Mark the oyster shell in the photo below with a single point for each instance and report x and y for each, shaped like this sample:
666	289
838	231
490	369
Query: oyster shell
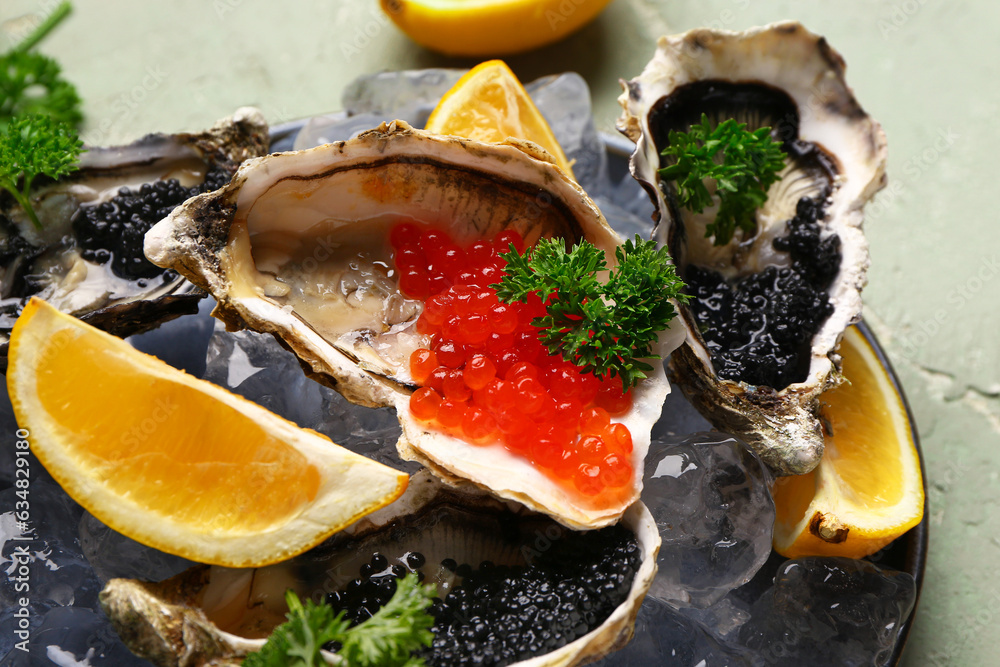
296	245
785	77
177	621
53	263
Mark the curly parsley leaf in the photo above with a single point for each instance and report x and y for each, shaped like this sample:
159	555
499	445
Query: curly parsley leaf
399	628
606	329
387	639
31	83
297	642
33	145
748	165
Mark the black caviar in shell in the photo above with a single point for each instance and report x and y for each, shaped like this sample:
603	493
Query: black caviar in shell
113	231
759	329
496	615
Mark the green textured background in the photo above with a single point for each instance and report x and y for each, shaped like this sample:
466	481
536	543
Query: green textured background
926	69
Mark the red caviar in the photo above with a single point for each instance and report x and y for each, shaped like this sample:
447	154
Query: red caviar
487	378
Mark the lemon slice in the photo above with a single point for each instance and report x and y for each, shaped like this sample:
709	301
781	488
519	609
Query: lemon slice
174	462
490	27
489	104
867	489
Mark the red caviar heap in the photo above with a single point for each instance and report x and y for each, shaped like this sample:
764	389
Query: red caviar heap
487	379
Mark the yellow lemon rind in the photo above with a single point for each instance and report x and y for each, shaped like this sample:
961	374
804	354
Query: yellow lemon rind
478	28
337	505
833	524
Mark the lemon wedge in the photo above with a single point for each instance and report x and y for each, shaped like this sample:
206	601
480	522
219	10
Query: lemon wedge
174	462
490	27
489	104
868	488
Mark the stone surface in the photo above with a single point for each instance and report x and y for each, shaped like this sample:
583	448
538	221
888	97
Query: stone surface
709	496
924	69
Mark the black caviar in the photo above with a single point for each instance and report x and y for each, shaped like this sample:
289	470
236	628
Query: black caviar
759	330
374	587
498	615
113	231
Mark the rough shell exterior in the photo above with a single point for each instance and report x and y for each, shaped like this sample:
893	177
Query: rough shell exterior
163	622
128	307
782	426
343	189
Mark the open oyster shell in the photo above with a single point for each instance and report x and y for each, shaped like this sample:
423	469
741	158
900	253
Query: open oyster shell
785	77
176	622
297	246
50	263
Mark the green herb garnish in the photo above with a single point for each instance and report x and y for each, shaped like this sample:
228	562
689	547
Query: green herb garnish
54	18
749	164
33	145
33	83
387	639
606	329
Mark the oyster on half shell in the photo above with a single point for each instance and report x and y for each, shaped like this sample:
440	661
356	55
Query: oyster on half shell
213	616
115	290
791	80
297	246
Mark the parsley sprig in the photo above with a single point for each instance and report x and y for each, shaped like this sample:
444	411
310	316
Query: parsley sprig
31	146
605	328
748	165
55	17
39	111
33	83
387	639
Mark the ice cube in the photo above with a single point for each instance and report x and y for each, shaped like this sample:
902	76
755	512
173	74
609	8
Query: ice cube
70	636
52	515
709	496
256	367
372	99
334	127
14	617
180	342
722	620
564	101
627	224
259	369
45	553
112	555
829	611
410	95
8	428
663	636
